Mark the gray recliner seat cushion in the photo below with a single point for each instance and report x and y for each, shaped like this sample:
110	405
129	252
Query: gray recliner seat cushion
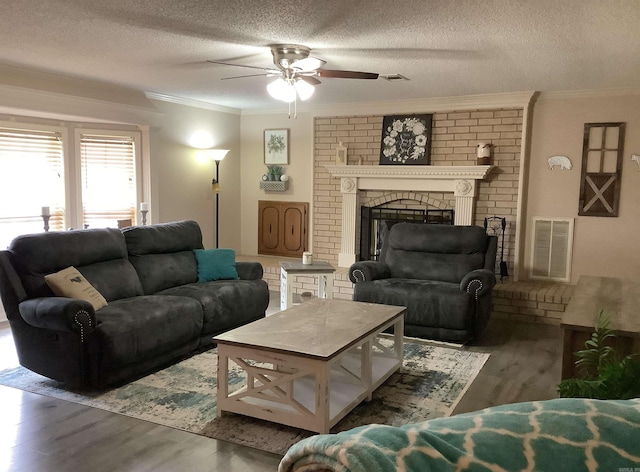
226	303
134	329
429	303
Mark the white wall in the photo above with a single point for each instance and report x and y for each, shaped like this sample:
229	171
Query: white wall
299	170
603	246
181	179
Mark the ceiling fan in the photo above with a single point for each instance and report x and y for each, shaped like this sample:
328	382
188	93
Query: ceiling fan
297	73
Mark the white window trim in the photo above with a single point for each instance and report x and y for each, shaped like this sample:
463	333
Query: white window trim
66	158
137	138
72	164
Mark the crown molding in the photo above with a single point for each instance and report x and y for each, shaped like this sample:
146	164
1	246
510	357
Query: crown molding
192	103
20	100
437	104
593	93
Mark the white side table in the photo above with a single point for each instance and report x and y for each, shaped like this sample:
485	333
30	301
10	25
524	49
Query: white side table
323	270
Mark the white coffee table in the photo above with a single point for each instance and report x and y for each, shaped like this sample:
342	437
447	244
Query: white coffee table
310	365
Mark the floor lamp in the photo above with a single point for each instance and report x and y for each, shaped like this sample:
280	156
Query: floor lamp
217	155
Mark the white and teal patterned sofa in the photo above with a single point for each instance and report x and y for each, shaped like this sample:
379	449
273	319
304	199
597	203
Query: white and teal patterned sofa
555	435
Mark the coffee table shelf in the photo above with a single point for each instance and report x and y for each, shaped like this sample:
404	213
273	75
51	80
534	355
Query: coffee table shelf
304	389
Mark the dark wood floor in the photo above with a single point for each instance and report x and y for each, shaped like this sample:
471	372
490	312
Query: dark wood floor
40	433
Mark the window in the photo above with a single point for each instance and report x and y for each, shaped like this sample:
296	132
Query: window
552	247
108	172
31	177
85	176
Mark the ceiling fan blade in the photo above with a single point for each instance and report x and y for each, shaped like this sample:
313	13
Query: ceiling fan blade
243	76
265	69
346	74
310	80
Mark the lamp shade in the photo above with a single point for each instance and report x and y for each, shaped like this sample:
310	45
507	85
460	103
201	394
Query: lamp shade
218	154
304	89
282	90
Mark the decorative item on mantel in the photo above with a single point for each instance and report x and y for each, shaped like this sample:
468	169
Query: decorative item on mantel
636	158
483	152
341	154
406	140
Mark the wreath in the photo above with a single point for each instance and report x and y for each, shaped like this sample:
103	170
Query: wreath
405	139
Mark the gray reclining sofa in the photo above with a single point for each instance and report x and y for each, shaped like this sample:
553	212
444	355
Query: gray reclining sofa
157	312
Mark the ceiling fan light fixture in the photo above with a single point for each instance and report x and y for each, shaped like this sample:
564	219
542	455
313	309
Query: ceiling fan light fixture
280	89
308	64
304	89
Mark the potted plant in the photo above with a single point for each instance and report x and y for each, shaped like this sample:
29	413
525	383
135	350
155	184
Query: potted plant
274	172
605	374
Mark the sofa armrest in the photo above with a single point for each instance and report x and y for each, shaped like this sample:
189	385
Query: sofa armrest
59	314
249	270
479	281
366	271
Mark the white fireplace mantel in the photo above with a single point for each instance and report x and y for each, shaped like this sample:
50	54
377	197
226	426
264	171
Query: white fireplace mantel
459	180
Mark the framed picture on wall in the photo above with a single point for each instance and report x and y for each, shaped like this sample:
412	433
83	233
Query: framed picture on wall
406	140
276	146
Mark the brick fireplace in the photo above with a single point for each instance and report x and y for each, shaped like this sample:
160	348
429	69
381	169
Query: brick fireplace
459	180
486	191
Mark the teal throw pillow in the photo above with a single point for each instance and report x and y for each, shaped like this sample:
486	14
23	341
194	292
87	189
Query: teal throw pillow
216	264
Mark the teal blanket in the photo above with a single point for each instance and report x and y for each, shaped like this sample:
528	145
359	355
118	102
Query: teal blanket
554	435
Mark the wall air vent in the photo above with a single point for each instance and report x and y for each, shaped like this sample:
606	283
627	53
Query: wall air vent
552	248
393	77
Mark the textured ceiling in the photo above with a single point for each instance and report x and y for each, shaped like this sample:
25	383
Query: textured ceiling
445	48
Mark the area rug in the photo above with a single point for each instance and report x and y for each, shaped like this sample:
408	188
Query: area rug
183	396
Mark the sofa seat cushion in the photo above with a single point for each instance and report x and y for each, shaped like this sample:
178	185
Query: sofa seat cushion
226	304
429	303
134	329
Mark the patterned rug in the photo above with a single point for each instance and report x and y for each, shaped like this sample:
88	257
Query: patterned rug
183	396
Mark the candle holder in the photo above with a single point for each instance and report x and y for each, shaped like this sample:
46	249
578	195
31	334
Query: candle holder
144	216
45	218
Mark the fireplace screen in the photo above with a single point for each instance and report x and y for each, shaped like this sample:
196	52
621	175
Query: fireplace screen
376	222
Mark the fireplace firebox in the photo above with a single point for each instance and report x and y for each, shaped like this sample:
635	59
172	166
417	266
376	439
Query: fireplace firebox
375	223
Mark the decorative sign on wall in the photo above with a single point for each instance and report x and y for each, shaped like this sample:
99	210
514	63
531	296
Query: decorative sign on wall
559	161
602	151
406	140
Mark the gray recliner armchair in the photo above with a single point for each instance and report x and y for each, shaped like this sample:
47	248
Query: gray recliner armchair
442	274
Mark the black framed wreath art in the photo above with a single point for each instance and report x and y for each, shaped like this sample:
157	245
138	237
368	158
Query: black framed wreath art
406	140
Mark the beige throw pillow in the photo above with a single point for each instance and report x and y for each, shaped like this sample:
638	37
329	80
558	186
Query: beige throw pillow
71	283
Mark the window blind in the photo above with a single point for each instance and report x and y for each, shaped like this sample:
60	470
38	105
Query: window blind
31	177
108	179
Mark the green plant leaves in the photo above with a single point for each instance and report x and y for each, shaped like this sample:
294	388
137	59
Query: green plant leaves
604	375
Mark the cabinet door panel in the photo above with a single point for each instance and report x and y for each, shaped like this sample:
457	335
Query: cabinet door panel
282	228
269	227
293	230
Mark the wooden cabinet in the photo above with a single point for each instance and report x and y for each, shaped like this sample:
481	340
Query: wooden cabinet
282	228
